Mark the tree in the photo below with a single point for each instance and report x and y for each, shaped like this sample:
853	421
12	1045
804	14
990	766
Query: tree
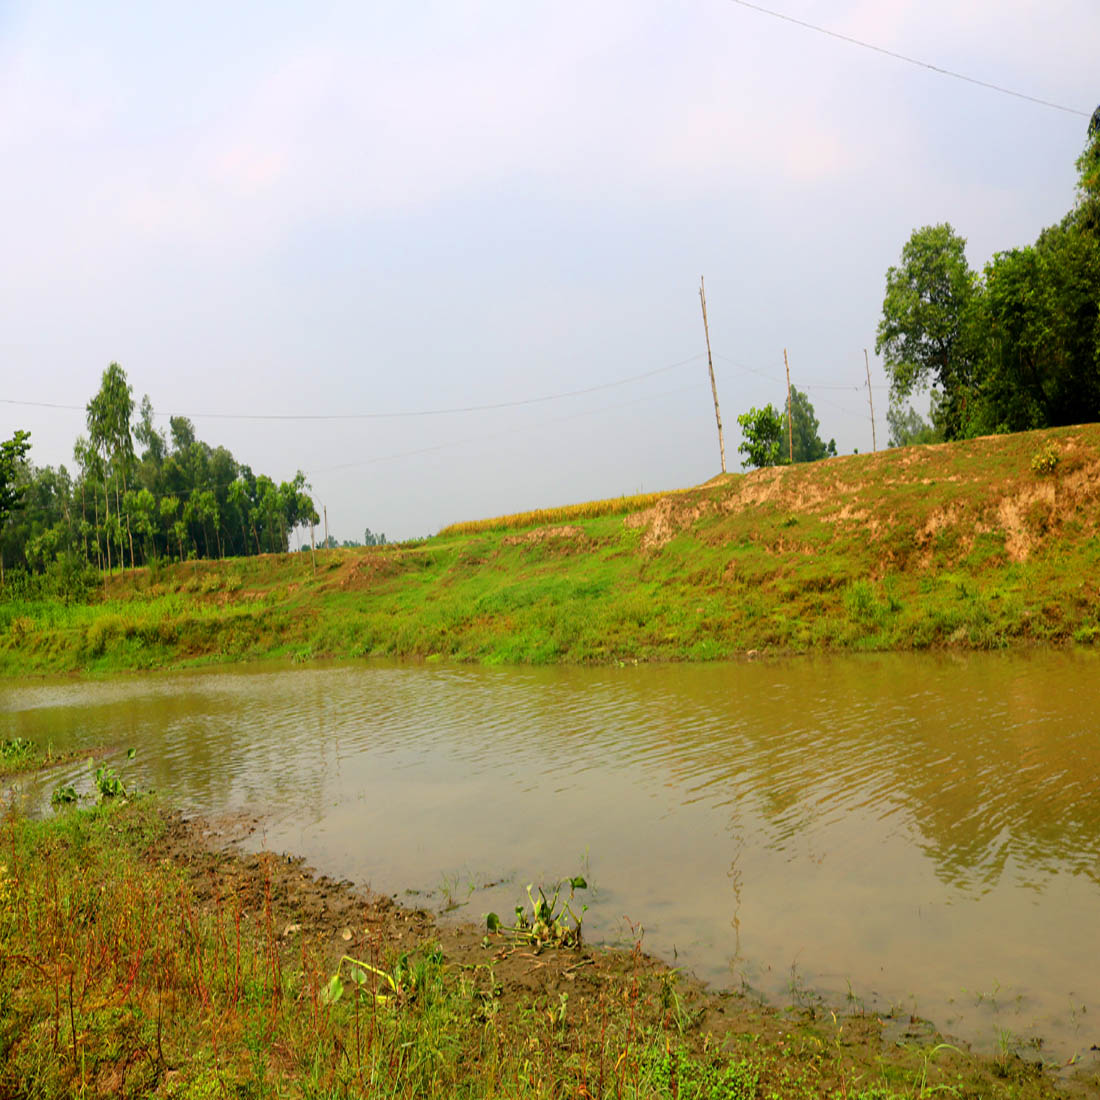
908	427
109	414
762	429
12	452
808	446
1040	313
183	432
146	434
1088	178
925	335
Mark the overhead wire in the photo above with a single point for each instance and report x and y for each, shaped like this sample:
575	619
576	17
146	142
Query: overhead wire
852	40
542	399
497	435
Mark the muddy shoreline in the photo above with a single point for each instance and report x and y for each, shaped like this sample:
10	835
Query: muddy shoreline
518	983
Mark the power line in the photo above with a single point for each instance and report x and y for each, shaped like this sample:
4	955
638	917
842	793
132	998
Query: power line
527	429
908	60
395	415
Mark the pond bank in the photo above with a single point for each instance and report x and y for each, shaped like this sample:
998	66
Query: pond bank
145	955
969	545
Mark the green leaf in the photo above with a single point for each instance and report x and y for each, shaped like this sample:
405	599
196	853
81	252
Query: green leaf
333	991
131	753
577	882
492	923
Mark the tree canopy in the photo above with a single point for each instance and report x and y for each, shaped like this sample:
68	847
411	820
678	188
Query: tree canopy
1012	348
761	429
807	444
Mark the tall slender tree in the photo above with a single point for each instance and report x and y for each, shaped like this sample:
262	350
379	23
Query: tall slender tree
109	414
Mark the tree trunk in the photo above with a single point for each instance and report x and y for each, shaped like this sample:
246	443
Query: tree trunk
83	519
128	534
107	523
98	552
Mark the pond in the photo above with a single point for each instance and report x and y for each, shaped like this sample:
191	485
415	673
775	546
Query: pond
909	832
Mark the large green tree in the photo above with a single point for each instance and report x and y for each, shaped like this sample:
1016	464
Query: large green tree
926	333
1040	319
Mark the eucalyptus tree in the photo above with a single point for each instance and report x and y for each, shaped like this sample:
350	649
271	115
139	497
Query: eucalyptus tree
108	418
86	458
146	434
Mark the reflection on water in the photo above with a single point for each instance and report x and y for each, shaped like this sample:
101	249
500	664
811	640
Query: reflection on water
922	830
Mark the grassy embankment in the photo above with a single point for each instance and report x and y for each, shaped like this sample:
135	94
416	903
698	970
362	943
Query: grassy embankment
135	961
981	544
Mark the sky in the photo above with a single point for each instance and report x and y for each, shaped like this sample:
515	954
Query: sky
320	231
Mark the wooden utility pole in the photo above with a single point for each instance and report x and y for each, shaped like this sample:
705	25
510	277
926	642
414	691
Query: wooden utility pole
867	364
710	367
790	427
312	548
325	507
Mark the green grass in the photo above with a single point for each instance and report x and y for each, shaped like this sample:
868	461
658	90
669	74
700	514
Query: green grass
961	545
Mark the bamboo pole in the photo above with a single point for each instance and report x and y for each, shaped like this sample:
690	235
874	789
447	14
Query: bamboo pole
710	367
867	364
790	426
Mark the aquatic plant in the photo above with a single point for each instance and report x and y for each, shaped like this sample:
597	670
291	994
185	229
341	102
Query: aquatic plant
548	923
63	795
108	783
15	748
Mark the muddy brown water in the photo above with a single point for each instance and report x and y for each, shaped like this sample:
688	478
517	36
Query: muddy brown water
918	833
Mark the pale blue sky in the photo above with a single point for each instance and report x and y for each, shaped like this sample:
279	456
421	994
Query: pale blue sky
361	208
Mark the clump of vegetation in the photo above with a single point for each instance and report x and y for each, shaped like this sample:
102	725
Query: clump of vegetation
15	749
63	795
1045	460
549	923
18	754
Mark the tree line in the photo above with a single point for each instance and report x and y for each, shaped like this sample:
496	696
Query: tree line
138	495
1014	347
